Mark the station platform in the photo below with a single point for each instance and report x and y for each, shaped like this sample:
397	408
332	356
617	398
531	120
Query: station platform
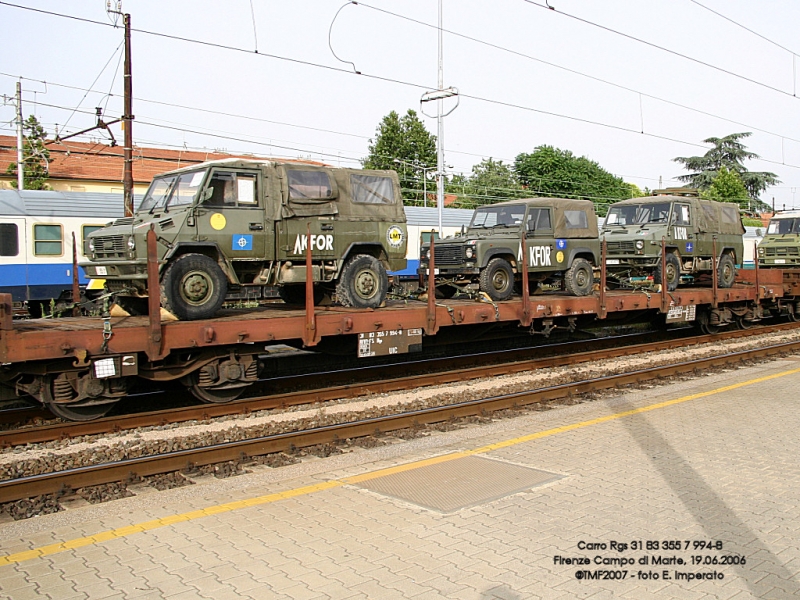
685	490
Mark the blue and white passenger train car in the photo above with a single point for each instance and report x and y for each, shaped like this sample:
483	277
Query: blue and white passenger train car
36	230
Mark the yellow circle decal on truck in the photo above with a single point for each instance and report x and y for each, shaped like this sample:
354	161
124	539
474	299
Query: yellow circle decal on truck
559	256
218	221
395	236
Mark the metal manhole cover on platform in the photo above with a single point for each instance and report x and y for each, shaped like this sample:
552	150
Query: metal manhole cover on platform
455	484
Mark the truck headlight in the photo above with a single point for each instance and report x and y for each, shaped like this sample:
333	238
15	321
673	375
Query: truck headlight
91	245
469	253
639	244
761	252
131	243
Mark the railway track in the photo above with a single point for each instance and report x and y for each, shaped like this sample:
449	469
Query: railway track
26	487
351	383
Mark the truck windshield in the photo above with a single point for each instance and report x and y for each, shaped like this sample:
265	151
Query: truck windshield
172	190
638	214
503	216
778	226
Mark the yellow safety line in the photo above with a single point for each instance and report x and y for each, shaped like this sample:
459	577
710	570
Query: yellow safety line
311	489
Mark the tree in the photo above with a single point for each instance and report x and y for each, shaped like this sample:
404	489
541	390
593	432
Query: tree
491	181
550	171
35	156
727	186
406	146
730	153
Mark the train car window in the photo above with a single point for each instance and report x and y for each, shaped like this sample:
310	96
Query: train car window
48	240
9	239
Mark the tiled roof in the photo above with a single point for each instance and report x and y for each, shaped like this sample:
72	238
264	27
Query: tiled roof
93	161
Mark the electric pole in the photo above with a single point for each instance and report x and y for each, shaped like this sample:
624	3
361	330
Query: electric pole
20	155
127	121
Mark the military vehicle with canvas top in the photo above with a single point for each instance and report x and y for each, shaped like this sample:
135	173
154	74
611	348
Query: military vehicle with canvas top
780	247
634	228
560	235
230	229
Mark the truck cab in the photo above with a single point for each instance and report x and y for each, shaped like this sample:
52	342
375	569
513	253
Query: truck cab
236	229
780	247
561	239
633	230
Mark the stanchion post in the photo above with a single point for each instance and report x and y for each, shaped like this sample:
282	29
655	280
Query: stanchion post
153	297
431	327
664	305
76	287
310	337
714	266
603	252
526	319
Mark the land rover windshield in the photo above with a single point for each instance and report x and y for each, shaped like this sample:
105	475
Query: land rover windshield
498	216
779	226
638	214
171	191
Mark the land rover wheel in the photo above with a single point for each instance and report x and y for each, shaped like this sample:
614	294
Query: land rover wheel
673	272
579	279
193	287
726	271
363	282
497	279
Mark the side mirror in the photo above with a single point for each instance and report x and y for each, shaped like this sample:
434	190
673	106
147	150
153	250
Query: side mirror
759	233
207	193
463	229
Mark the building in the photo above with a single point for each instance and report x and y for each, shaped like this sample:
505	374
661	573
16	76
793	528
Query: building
94	167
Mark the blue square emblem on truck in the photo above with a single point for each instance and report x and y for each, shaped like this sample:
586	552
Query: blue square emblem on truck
242	241
561	244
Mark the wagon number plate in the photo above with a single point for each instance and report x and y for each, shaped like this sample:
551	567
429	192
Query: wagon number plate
678	314
393	341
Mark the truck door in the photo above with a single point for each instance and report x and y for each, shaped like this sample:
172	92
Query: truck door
232	216
541	254
682	230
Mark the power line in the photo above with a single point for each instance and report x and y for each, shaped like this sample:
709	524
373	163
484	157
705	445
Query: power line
662	48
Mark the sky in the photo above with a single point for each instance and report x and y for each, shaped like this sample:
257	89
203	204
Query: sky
627	83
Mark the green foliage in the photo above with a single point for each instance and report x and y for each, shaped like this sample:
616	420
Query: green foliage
491	181
550	171
730	153
727	186
35	156
752	222
404	144
635	191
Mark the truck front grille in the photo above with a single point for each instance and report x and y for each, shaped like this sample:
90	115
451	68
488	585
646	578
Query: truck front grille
449	255
783	251
109	246
620	247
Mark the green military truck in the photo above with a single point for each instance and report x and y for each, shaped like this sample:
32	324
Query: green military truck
235	228
634	228
561	238
780	247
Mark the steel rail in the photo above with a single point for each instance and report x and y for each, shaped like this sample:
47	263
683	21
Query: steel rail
27	487
391	382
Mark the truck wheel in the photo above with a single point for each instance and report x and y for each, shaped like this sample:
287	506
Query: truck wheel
497	279
673	272
363	282
579	279
726	271
193	287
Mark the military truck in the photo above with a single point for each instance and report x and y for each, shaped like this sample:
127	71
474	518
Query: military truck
231	229
633	230
561	239
781	246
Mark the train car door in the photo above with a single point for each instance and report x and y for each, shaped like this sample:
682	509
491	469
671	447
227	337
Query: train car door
14	258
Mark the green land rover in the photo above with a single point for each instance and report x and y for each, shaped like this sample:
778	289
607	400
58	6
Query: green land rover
690	227
232	229
561	238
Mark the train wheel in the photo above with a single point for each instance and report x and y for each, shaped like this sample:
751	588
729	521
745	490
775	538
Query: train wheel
792	312
213	396
497	279
705	326
56	392
743	323
193	287
673	269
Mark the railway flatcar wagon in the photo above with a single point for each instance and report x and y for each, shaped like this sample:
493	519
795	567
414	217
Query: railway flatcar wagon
36	230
